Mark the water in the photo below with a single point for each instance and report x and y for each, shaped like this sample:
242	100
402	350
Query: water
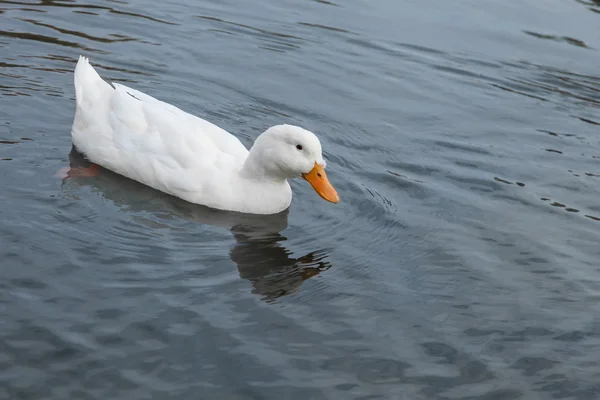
463	260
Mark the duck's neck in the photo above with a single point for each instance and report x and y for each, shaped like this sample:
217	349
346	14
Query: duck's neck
263	188
259	165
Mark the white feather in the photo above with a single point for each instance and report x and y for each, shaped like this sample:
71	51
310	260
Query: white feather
158	144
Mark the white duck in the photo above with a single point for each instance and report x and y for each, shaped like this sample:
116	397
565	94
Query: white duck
159	145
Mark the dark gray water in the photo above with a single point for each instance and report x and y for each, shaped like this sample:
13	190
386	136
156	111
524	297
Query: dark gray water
462	263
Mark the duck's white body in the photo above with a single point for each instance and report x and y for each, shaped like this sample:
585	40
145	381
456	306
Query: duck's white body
159	145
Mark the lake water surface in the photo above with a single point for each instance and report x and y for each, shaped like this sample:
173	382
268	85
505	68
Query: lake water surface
462	263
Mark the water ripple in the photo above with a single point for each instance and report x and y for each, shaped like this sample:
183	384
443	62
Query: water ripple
284	39
76	6
48	39
460	263
114	39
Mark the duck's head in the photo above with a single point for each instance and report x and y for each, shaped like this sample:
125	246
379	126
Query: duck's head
287	151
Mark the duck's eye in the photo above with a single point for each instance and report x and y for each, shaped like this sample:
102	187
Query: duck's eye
299	147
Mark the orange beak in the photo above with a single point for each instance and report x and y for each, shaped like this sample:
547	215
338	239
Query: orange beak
318	180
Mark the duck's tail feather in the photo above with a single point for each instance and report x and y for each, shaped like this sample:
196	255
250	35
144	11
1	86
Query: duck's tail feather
88	84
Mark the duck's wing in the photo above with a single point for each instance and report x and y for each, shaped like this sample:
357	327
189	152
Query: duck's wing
158	111
149	140
169	131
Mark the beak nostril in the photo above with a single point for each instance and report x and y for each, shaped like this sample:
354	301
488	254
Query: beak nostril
317	177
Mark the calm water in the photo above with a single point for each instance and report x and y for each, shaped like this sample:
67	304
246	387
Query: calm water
462	263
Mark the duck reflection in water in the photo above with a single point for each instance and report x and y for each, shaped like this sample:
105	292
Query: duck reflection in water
259	253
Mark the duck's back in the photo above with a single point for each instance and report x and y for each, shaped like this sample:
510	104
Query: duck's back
138	136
